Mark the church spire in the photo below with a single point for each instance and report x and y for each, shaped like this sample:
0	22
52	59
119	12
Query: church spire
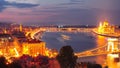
21	27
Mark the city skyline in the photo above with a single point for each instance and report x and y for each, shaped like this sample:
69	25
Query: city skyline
59	11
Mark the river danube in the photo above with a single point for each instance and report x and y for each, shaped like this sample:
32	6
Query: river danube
79	41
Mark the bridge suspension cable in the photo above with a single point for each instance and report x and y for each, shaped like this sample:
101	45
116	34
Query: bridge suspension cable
93	52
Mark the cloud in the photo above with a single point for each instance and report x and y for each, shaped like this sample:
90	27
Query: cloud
72	16
77	0
24	1
2	5
24	14
54	12
79	4
58	4
53	15
41	2
6	4
23	5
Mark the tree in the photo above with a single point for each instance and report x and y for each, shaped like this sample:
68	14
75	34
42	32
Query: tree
66	57
15	64
3	62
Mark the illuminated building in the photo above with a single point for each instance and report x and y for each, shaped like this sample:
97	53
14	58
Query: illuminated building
105	28
16	44
34	47
8	45
12	47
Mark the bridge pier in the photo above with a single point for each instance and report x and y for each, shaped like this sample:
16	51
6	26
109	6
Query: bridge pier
113	55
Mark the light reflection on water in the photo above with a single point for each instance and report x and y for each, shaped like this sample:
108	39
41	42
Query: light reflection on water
101	41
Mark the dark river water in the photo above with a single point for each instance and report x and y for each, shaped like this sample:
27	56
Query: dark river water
78	41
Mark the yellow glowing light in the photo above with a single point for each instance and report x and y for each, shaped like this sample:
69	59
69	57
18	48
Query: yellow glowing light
17	54
114	55
100	28
27	33
1	53
111	44
100	25
105	28
112	39
35	55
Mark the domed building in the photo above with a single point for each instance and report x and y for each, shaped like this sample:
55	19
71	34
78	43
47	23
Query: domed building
105	28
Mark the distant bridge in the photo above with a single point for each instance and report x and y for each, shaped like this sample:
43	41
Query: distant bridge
32	32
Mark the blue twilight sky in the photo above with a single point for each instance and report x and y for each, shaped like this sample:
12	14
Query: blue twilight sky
60	12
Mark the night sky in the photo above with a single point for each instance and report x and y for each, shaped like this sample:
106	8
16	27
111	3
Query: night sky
60	12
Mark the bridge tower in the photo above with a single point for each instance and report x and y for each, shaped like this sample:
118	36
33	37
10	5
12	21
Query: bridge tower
112	44
113	55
